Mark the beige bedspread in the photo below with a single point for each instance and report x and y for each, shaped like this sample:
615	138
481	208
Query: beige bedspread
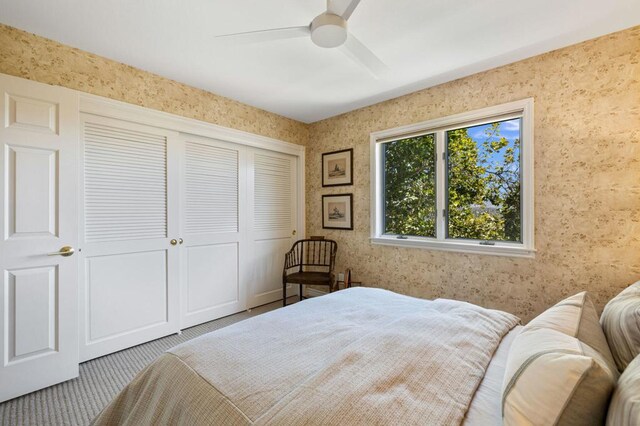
358	356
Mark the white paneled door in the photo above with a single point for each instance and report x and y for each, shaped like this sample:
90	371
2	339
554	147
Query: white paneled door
130	258
39	217
272	222
213	232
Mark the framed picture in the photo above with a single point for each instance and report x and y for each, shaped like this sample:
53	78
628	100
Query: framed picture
337	168
337	211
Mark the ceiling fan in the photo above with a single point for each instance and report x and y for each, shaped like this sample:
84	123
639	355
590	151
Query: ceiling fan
328	30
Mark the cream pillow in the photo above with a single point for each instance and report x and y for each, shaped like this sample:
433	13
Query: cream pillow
576	316
621	324
552	378
624	409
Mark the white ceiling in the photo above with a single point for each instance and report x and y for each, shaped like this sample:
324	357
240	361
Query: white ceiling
424	42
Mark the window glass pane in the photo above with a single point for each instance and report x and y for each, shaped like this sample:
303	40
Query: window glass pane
410	186
483	178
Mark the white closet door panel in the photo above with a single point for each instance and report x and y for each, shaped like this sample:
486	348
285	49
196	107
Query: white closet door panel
273	188
213	276
127	292
211	189
130	207
272	222
213	251
125	183
267	268
38	216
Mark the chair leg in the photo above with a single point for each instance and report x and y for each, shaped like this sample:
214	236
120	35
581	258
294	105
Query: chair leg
284	294
301	291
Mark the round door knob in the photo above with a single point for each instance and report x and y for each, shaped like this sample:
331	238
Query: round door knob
173	242
294	232
180	240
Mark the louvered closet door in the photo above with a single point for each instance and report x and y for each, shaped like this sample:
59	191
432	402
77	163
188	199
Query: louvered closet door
272	222
213	206
130	269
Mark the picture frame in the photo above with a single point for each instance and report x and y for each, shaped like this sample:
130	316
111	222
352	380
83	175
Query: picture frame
337	168
337	211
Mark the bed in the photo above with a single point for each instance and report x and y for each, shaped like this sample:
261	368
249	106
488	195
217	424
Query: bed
373	357
362	355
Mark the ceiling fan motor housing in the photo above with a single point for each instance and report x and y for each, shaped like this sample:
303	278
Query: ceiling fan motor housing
328	30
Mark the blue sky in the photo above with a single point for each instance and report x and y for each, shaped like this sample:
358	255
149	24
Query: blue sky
509	129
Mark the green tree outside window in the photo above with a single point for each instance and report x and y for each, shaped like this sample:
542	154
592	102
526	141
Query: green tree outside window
483	198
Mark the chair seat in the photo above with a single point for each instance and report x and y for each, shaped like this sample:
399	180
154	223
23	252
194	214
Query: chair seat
311	278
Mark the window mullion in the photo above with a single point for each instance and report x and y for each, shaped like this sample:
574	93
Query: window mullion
378	196
440	185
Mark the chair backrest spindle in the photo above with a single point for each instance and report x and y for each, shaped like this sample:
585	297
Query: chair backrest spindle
312	253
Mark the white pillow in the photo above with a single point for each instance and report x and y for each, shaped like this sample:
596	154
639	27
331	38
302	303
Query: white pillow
576	316
554	379
560	370
624	409
621	324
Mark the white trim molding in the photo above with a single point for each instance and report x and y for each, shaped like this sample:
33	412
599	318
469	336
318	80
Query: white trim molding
98	105
518	109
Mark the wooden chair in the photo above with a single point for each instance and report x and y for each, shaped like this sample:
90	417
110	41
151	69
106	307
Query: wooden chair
314	262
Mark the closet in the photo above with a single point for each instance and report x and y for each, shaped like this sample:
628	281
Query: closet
178	230
172	223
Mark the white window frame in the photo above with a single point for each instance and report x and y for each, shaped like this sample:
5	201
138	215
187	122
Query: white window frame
522	108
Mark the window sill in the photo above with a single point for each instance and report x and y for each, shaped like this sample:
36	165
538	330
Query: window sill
498	249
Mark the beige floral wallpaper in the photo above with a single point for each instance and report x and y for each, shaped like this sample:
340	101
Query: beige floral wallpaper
587	181
29	56
587	163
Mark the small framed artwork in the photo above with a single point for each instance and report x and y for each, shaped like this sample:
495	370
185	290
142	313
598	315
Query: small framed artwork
337	211
337	168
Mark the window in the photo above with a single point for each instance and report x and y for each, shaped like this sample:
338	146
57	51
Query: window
410	186
461	183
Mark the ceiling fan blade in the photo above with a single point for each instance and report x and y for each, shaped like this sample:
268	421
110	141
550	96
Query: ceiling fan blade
342	8
359	53
349	10
259	36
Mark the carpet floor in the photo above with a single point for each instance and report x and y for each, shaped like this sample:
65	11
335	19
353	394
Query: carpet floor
78	401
